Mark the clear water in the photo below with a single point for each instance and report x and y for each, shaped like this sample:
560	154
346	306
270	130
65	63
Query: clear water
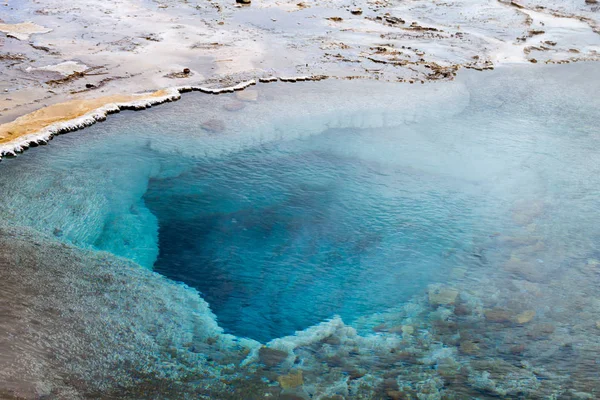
363	200
283	236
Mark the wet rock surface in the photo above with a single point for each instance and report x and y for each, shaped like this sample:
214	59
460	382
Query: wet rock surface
87	324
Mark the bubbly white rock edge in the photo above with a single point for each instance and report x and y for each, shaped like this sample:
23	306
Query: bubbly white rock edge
45	134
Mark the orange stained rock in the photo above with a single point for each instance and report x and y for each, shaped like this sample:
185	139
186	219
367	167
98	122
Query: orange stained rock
63	112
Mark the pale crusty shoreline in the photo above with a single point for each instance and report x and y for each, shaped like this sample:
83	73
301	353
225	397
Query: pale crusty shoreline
59	74
38	127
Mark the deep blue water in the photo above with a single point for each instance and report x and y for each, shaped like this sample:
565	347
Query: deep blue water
281	237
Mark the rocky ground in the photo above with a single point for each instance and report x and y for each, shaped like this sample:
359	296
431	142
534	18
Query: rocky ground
504	337
54	51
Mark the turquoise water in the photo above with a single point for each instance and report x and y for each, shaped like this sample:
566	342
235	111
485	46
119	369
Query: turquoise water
284	236
451	227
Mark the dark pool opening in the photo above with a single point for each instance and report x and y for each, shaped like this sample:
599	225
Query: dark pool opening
281	237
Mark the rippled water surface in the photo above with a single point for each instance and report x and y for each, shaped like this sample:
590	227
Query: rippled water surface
452	227
283	236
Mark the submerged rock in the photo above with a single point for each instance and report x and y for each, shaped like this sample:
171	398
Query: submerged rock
115	329
291	380
247	95
503	379
408	329
469	347
234	106
213	125
271	357
541	331
442	295
518	349
529	270
525	212
525	317
396	395
498	315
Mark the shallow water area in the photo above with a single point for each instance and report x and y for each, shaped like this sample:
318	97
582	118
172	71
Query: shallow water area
435	239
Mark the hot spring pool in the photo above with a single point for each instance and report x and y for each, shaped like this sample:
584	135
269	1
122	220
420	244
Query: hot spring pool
283	236
461	214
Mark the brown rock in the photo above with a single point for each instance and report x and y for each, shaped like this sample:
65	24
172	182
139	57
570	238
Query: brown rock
354	373
335	361
393	20
461	309
271	357
396	395
498	315
332	340
185	73
525	317
591	1
212	340
356	11
405	356
469	347
243	1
